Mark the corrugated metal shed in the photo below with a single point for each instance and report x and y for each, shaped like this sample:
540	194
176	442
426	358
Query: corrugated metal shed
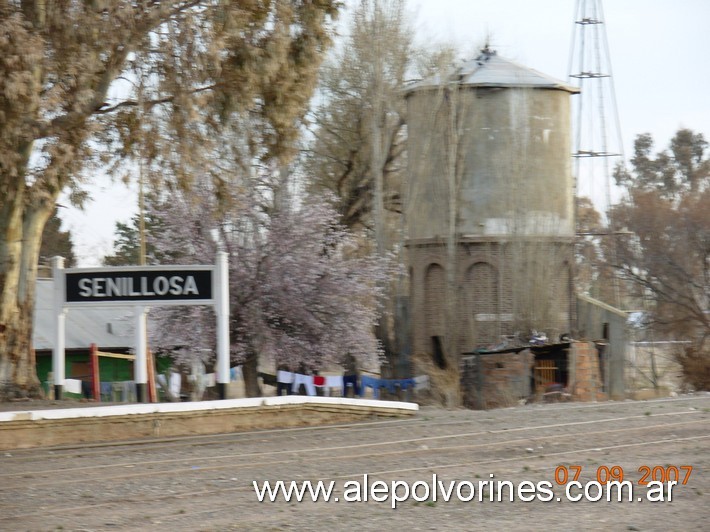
491	70
108	328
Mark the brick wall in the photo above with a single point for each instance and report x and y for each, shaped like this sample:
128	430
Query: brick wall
507	377
504	381
499	291
585	382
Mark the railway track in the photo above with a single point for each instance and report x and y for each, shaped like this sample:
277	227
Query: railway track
413	446
197	471
174	443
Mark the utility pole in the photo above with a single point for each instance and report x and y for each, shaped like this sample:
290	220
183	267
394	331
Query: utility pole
141	312
141	193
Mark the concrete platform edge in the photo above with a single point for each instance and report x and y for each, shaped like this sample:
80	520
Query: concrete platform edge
43	428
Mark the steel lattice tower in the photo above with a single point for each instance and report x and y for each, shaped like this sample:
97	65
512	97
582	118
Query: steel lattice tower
597	133
597	145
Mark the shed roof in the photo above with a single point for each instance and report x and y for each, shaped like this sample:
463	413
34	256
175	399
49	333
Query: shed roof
108	328
604	306
491	70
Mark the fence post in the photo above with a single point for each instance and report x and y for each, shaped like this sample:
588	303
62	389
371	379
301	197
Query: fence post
95	375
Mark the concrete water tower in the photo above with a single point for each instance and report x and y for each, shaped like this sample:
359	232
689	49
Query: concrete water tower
489	206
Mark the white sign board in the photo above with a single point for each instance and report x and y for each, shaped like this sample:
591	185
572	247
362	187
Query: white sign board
141	288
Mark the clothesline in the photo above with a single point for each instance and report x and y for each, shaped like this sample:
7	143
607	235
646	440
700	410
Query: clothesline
291	382
285	381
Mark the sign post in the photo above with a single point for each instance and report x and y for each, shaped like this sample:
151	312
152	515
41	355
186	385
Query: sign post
141	288
140	368
59	329
221	291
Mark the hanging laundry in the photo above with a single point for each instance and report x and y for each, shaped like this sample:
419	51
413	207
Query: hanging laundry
175	382
285	377
405	384
351	380
267	378
390	385
126	390
106	389
333	382
72	385
371	382
284	380
306	380
421	382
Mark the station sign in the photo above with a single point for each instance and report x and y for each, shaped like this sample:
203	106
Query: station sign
140	285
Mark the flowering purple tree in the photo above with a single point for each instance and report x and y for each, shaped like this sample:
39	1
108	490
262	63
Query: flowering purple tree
298	292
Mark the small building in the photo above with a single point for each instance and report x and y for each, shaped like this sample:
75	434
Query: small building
559	371
607	327
109	328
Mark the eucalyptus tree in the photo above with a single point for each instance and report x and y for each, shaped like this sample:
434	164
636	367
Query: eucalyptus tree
357	149
89	85
665	249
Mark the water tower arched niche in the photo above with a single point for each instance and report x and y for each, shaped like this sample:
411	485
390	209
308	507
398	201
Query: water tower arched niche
434	311
481	309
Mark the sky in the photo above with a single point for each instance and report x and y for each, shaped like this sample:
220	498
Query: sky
660	66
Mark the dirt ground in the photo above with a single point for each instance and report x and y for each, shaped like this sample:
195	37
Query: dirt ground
205	483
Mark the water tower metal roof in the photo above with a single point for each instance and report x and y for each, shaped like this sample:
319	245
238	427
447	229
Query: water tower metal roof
491	70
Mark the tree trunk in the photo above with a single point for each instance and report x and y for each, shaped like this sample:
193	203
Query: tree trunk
250	373
452	347
10	256
20	239
21	223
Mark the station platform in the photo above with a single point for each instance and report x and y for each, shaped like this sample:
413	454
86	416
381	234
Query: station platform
23	429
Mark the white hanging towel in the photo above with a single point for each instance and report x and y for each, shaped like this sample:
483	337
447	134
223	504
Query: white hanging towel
285	377
306	380
334	381
421	382
72	385
175	381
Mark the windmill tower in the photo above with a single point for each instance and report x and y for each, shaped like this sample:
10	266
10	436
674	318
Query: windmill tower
596	144
596	148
